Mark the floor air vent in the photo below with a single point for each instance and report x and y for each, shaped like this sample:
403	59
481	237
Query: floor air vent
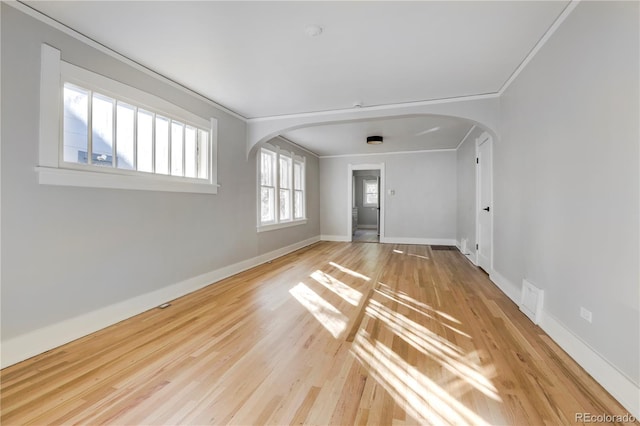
443	248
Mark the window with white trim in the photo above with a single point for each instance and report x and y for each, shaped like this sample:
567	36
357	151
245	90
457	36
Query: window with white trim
298	189
98	132
281	189
370	193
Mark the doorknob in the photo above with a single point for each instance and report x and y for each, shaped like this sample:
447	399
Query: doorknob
486	209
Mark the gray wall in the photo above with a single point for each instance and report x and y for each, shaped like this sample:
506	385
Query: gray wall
424	204
566	175
367	216
69	251
466	190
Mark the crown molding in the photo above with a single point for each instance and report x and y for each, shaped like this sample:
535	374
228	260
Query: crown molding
376	107
289	141
543	40
108	51
466	136
371	154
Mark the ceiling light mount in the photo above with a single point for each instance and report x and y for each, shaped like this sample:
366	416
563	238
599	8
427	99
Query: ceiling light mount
313	30
374	140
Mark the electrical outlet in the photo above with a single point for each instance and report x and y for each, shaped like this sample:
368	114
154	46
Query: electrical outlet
586	314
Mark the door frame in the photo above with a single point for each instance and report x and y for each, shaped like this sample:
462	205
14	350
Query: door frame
367	166
482	139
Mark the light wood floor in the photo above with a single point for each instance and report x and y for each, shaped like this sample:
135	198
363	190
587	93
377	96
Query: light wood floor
337	333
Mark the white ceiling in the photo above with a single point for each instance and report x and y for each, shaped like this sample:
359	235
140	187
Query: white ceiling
400	134
256	59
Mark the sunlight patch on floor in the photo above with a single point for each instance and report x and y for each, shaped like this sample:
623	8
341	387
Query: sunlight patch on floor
408	301
418	256
334	321
419	396
350	295
448	355
349	271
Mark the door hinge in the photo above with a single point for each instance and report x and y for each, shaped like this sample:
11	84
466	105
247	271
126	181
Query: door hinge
477	160
476	247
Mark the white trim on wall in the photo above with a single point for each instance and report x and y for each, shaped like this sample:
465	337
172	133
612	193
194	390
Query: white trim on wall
471	256
507	287
383	107
419	241
372	154
339	238
43	339
621	387
104	49
543	40
466	136
302	148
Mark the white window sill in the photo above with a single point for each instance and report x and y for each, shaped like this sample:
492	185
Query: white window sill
265	228
82	178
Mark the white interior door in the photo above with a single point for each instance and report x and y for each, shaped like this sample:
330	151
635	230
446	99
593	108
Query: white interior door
485	203
378	208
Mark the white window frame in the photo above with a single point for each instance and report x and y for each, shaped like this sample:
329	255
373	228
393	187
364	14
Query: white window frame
273	187
277	223
53	170
303	183
287	157
364	193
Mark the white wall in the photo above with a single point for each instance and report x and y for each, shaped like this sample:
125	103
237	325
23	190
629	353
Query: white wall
567	180
466	191
68	251
423	207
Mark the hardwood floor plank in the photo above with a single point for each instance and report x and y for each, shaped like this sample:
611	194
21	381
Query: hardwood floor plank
335	333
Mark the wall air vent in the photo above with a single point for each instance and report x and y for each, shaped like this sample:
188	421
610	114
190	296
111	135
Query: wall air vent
531	301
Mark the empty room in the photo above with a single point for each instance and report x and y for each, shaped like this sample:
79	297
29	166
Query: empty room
320	212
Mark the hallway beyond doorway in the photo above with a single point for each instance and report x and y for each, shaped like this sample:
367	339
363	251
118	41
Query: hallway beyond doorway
366	236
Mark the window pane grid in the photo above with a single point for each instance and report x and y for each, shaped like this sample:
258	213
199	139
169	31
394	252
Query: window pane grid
267	186
370	192
75	123
281	183
102	131
125	136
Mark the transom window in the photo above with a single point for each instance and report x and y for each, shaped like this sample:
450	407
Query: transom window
281	188
99	132
103	131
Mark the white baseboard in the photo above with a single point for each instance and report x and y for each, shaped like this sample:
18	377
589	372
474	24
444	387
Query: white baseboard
420	241
342	238
471	256
43	339
624	390
615	382
511	290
